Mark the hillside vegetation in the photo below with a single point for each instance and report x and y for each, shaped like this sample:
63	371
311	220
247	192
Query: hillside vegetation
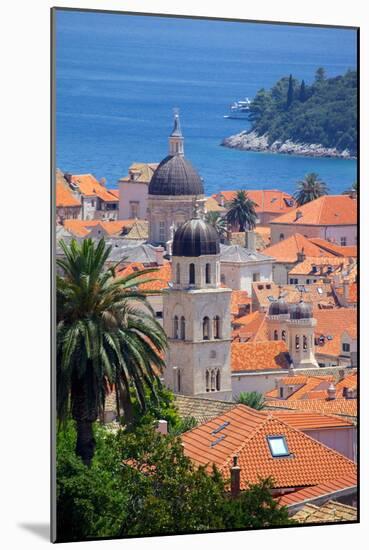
324	112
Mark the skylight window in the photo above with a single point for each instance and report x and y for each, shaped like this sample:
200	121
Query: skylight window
320	290
278	446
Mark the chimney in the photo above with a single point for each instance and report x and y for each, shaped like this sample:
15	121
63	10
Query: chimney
331	392
301	256
68	177
346	288
102	181
159	251
250	240
298	215
235	478
162	427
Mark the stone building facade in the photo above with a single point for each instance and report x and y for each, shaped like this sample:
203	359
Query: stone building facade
196	316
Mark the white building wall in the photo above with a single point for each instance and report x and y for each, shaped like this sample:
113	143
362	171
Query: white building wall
239	276
259	382
342	440
132	192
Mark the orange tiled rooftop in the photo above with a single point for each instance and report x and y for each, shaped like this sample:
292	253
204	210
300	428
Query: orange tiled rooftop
326	210
259	356
244	432
288	249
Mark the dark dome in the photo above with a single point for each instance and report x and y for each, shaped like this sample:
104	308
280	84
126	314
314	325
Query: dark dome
175	176
301	311
279	307
195	238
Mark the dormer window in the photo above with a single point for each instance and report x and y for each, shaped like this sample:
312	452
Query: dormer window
278	446
314	269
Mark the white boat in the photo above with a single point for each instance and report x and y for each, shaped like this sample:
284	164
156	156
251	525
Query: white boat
239	109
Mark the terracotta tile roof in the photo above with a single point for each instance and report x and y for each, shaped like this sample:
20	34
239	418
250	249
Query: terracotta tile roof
312	387
320	295
333	323
267	200
340	406
352	293
139	230
81	228
114	192
337	250
339	266
211	205
244	432
200	408
329	512
88	185
159	278
251	327
326	210
259	356
287	249
65	197
301	386
239	298
311	420
320	490
141	171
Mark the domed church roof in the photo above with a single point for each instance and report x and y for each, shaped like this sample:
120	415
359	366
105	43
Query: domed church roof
279	307
302	310
195	238
175	176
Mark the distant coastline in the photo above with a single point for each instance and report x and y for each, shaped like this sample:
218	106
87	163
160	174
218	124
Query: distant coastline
251	141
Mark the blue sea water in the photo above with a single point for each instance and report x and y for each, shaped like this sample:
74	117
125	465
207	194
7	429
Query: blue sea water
118	78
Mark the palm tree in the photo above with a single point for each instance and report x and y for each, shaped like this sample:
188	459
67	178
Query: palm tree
252	399
242	212
309	189
106	334
218	222
351	190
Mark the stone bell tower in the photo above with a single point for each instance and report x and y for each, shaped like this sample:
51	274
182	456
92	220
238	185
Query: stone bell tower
197	315
301	326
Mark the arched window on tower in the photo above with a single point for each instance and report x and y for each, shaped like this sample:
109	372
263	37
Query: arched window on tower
216	323
297	342
206	328
212	380
183	328
207	274
178	274
283	335
304	342
276	335
217	380
207	380
175	327
192	274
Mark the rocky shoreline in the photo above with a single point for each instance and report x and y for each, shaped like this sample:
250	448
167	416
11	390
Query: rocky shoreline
250	141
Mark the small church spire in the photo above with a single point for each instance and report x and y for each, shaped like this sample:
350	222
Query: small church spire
176	138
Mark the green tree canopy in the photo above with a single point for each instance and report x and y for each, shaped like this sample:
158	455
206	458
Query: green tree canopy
106	334
241	212
309	189
252	399
323	113
141	483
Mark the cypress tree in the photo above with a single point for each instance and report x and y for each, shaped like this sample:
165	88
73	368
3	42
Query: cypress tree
302	95
290	92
